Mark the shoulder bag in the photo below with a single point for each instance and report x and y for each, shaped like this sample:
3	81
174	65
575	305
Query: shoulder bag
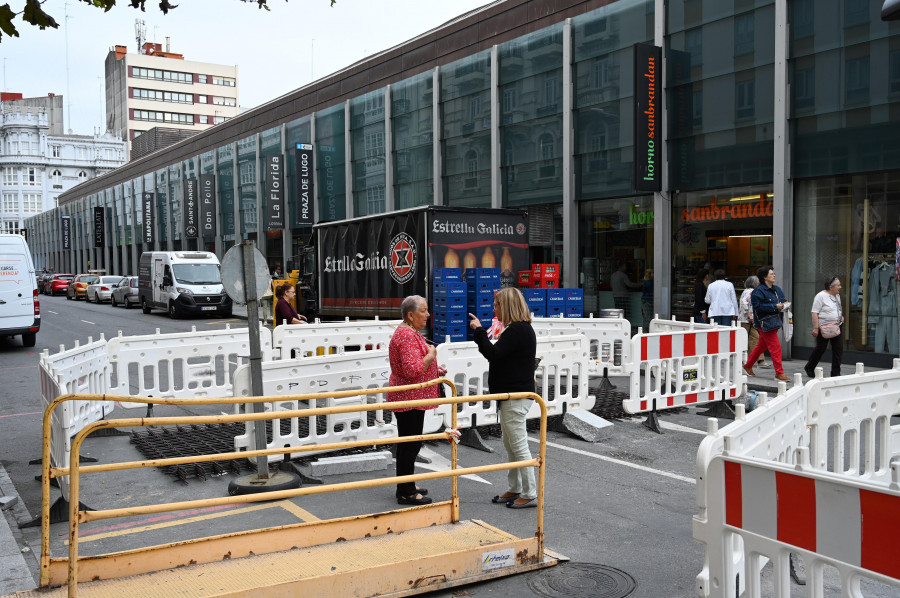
829	329
770	322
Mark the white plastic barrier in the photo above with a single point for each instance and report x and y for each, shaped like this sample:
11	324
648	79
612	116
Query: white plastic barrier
293	341
83	369
660	325
180	365
561	378
609	340
329	373
760	498
686	367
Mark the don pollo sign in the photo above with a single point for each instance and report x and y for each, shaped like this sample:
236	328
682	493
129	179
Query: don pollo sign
647	69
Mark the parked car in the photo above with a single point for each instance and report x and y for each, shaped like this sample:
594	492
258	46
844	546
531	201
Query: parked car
99	290
125	293
78	285
56	283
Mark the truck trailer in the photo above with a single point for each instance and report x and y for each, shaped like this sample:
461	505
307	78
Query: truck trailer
364	267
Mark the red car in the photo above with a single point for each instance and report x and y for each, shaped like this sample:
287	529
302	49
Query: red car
56	284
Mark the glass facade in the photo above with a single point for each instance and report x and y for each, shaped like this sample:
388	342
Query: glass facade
412	126
330	160
368	164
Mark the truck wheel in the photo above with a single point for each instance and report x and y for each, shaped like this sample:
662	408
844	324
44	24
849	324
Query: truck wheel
29	338
173	313
144	307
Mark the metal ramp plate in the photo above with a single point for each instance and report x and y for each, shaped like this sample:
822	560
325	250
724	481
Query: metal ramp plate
396	564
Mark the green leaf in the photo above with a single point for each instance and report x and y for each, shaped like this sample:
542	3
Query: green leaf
6	18
35	15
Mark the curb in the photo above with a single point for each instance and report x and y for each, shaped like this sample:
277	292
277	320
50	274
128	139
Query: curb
18	571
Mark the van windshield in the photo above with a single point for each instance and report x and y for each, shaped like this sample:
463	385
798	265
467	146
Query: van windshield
197	273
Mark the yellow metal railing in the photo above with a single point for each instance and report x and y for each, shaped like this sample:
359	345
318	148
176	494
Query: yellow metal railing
75	470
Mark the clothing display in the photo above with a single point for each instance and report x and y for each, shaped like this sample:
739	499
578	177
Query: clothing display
882	308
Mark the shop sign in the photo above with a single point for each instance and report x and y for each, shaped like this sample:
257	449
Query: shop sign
99	226
714	212
304	156
208	205
274	192
148	208
66	233
190	208
639	217
647	65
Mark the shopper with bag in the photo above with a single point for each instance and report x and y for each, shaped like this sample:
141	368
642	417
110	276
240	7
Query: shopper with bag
827	319
767	302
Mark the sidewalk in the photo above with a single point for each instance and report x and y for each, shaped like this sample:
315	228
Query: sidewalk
16	568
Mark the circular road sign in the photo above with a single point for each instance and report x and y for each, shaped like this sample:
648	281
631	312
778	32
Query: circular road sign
235	280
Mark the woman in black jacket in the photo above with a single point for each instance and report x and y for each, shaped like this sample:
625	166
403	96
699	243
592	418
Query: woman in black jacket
511	369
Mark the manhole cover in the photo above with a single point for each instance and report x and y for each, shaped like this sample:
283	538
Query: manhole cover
587	580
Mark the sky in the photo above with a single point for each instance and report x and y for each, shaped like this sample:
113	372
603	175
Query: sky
276	51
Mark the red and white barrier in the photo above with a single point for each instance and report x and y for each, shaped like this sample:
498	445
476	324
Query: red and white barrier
686	367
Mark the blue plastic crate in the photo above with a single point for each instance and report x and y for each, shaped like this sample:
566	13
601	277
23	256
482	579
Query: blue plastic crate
447	289
484	274
442	304
450	321
538	309
445	274
556	296
574	311
574	295
555	310
536	296
579	303
481	302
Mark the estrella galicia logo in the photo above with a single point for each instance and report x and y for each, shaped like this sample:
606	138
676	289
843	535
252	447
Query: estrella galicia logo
403	258
520	229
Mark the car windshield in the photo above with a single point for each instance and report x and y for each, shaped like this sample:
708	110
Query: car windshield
88	279
197	273
110	279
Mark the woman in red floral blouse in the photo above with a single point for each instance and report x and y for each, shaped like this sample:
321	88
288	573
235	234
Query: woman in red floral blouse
413	360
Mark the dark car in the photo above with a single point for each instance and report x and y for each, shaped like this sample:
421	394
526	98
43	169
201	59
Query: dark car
125	292
55	283
77	287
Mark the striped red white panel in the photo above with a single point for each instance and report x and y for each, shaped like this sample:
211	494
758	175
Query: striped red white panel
666	346
853	525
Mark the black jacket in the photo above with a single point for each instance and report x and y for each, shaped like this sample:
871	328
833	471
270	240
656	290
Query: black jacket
511	358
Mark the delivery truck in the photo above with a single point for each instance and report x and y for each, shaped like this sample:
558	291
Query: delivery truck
364	267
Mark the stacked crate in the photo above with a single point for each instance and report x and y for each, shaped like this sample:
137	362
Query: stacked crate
524	279
481	284
555	303
536	299
448	309
545	276
574	303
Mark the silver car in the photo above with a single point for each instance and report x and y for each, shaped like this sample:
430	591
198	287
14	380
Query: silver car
100	290
125	292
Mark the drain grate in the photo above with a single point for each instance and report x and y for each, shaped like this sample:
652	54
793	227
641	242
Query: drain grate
582	580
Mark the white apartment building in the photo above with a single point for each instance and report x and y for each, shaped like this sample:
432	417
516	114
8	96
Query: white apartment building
157	87
35	167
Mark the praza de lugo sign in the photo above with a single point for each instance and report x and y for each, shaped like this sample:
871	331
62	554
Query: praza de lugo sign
647	110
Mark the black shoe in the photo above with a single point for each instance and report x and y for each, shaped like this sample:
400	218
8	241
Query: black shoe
809	373
416	499
422	491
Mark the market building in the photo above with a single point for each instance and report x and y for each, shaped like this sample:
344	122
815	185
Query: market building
662	137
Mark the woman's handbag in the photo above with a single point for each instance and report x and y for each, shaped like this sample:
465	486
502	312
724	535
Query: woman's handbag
770	322
829	329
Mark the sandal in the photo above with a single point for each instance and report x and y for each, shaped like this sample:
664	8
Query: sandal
532	502
416	499
505	497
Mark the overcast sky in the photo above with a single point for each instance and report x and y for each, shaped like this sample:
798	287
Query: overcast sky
276	51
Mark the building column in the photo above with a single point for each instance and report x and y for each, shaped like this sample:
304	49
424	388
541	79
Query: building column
348	165
569	207
783	216
389	200
496	179
236	195
437	163
662	201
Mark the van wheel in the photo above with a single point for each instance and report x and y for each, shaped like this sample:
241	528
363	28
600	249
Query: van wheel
144	307
173	313
29	338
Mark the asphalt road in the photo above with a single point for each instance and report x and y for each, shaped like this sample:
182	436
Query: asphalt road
625	502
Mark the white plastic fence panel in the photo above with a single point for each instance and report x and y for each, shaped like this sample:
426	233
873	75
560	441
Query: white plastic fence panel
774	509
609	341
686	367
468	369
673	325
181	365
294	341
850	422
329	373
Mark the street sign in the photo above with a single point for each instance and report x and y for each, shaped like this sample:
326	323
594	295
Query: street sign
233	276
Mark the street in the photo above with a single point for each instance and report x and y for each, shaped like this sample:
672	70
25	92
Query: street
625	502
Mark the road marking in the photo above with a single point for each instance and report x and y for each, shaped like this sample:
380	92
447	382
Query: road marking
667	474
88	536
441	463
86	322
53	312
19	414
670	426
297	510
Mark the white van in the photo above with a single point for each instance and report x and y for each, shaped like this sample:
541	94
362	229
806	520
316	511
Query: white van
20	310
182	282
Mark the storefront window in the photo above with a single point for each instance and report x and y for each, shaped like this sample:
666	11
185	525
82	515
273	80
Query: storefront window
729	229
848	226
247	173
616	235
225	189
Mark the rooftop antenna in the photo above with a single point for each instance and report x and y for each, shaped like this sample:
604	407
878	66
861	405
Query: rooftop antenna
140	33
68	95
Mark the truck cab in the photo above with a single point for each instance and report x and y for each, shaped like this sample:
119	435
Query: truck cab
182	282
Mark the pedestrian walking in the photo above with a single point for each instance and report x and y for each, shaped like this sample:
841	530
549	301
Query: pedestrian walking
722	300
745	317
700	283
827	319
767	302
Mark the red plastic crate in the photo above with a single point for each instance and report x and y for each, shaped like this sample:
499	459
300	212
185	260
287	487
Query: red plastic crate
524	279
546	283
544	272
